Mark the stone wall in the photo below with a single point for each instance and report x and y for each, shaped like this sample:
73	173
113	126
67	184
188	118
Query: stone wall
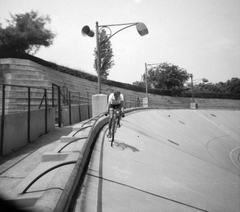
16	128
26	72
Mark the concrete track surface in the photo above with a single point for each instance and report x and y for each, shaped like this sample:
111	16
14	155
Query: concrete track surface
166	160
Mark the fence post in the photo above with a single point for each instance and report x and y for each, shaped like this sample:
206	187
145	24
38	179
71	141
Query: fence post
79	106
29	114
46	107
59	107
69	106
52	95
2	120
88	106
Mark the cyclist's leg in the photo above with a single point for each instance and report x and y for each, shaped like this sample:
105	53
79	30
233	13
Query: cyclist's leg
110	121
119	115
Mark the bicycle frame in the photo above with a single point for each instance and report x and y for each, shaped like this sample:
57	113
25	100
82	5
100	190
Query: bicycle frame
114	114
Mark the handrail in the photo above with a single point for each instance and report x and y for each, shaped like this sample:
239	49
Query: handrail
64	163
92	119
82	128
70	143
78	171
45	172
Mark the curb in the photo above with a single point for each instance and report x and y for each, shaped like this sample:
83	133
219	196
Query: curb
64	201
71	179
77	175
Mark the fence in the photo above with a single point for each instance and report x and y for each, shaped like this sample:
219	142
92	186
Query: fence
8	103
69	106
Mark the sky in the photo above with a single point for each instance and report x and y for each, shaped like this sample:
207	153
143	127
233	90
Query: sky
200	36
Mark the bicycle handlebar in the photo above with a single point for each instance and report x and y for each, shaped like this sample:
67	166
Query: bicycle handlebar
122	114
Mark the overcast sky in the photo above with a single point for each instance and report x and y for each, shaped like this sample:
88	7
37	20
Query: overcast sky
201	36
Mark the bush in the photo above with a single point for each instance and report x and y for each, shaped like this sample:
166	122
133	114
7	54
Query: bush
94	78
82	74
211	95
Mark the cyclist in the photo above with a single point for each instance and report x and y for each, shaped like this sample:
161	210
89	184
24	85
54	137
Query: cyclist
115	101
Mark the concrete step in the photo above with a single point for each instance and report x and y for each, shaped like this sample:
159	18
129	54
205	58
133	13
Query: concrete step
28	70
49	159
71	152
36	190
21	107
33	88
33	82
33	101
25	76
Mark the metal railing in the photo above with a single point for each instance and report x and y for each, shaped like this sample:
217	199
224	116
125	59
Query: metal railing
75	98
6	94
94	120
60	96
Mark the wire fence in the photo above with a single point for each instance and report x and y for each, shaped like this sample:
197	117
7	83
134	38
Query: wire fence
21	98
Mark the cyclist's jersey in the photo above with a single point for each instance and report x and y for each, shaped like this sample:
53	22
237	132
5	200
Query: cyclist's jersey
113	101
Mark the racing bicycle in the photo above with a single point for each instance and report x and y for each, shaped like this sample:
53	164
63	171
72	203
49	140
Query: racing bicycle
114	113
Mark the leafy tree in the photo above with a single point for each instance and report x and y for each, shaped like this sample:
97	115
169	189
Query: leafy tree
106	55
167	77
233	85
139	83
25	33
229	87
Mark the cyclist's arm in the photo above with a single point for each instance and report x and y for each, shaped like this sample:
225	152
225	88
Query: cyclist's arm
122	107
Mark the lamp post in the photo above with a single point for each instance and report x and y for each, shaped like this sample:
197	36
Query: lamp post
192	88
99	100
146	72
146	81
193	103
141	28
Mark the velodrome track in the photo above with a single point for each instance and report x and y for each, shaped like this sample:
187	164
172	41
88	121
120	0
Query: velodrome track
166	160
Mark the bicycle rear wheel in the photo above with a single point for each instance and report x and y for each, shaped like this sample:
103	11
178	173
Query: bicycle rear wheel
113	130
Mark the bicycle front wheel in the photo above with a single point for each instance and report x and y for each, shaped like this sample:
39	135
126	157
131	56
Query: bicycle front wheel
113	129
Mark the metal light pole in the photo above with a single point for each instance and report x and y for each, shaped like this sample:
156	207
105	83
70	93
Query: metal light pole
194	104
146	73
192	88
98	59
141	28
146	80
145	100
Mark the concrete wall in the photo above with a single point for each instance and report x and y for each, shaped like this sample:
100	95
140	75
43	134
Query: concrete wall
78	113
16	128
26	72
37	122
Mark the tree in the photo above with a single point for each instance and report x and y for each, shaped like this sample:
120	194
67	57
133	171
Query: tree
229	87
167	77
25	33
139	83
233	85
106	55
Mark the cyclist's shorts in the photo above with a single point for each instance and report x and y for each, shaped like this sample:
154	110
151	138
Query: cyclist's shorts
116	106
